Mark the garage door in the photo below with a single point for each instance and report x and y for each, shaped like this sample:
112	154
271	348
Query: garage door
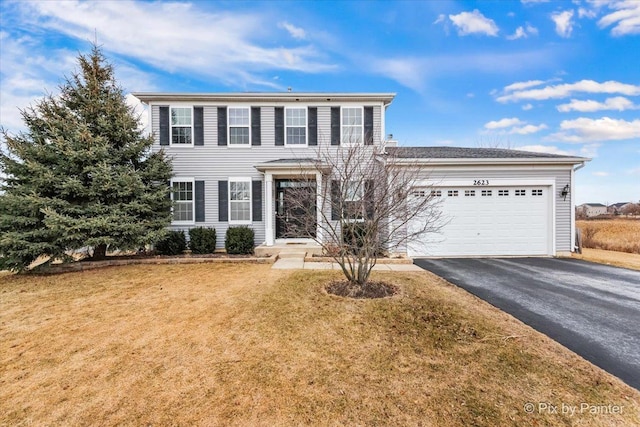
488	222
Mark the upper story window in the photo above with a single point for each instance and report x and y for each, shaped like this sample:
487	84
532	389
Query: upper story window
183	200
239	121
181	125
352	127
296	126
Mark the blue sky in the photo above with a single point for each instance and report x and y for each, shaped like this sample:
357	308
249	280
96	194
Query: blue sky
555	76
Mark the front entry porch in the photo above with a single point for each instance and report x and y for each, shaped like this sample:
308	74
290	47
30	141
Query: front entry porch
293	189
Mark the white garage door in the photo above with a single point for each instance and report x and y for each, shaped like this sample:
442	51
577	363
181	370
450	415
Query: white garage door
489	221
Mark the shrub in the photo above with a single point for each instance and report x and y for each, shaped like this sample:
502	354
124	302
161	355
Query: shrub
239	240
174	243
202	240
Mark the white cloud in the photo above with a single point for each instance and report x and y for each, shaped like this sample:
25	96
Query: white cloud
564	26
586	13
625	19
523	85
503	123
179	37
534	1
527	129
519	34
567	89
604	129
531	29
618	103
409	72
589	150
28	73
295	32
600	173
140	110
523	32
474	23
527	107
513	125
441	18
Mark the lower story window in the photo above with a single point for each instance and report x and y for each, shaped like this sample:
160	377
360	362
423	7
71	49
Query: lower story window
240	201
182	195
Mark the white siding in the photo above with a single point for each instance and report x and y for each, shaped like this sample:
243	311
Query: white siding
561	175
212	163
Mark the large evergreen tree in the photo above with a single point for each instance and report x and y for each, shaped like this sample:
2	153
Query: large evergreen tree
81	175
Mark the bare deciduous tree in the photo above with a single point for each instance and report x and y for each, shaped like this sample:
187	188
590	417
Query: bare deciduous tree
370	204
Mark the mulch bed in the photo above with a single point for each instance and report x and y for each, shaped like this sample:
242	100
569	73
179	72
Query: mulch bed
369	290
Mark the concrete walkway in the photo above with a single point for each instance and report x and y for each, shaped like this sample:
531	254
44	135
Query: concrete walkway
298	263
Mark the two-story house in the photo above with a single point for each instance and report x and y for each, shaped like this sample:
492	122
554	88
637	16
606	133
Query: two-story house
235	155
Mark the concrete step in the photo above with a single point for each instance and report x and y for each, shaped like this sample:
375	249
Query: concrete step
291	254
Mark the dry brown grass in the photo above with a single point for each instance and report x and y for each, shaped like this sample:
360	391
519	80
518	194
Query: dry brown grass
619	259
247	345
622	235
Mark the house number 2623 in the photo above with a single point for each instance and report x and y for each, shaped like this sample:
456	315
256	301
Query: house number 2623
480	182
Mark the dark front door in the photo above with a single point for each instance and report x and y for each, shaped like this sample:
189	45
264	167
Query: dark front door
295	208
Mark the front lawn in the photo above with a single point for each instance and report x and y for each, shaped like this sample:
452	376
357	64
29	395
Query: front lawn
220	344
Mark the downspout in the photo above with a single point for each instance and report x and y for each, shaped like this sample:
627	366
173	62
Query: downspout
573	207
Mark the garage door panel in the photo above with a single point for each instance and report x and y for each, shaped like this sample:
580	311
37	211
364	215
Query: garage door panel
501	222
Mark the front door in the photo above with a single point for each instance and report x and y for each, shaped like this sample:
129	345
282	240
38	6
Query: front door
295	208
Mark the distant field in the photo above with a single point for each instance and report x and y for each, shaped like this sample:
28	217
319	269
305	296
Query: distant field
622	235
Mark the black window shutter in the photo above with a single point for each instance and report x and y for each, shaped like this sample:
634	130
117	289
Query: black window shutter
335	125
256	200
369	198
199	193
223	201
335	200
222	125
255	126
164	125
313	125
198	126
368	125
279	121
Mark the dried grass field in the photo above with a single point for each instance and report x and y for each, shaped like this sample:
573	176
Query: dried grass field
622	235
225	345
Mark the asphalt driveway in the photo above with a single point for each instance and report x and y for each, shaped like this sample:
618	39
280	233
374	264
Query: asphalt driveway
592	309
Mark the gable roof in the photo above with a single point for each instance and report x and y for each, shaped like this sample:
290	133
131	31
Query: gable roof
594	205
619	204
478	155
